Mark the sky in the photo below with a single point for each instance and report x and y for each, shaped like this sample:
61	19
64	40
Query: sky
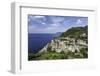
54	24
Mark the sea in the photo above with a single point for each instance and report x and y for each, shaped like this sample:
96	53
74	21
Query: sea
36	41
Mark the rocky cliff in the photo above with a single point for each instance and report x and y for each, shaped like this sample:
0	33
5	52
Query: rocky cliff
72	40
71	44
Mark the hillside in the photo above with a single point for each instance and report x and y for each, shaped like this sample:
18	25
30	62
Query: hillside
70	44
75	32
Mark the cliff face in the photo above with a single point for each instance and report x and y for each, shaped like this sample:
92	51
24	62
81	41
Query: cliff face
69	45
72	40
65	44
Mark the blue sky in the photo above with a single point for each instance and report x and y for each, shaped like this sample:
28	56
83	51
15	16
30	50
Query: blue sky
54	24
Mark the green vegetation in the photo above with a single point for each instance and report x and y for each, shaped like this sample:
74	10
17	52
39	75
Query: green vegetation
50	55
75	33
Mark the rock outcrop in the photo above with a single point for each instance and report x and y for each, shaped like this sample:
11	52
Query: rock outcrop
65	44
72	40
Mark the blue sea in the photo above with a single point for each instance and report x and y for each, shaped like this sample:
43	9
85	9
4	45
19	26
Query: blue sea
37	41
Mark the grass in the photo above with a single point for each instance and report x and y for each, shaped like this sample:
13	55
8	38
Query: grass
53	55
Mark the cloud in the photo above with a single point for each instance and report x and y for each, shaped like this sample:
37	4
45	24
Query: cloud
50	28
43	23
36	20
57	19
78	21
38	16
55	25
